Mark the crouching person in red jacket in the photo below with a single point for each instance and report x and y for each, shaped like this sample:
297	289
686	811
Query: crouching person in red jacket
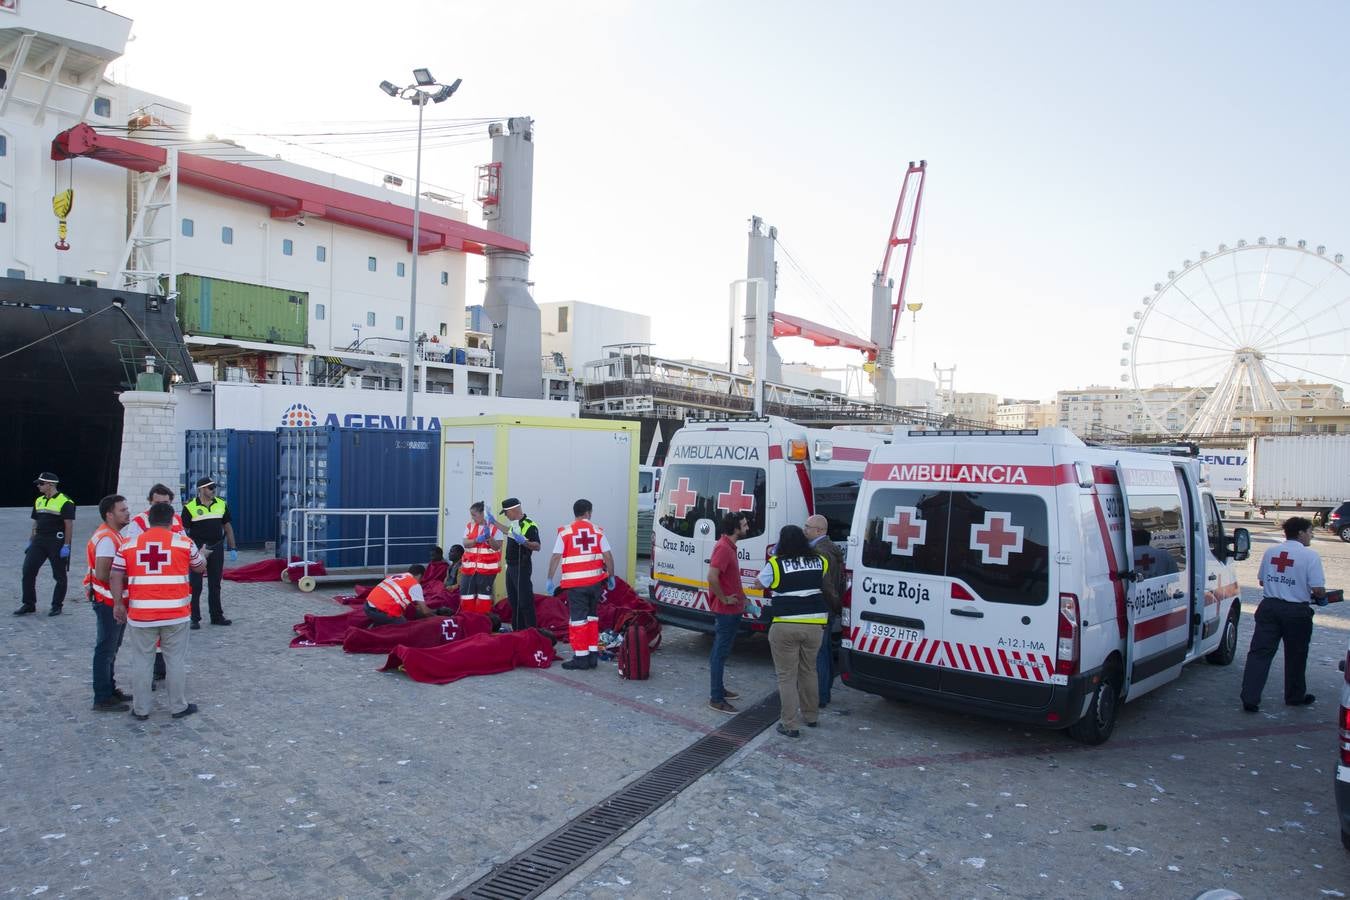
398	598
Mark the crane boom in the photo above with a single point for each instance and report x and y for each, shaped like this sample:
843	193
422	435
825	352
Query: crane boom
918	172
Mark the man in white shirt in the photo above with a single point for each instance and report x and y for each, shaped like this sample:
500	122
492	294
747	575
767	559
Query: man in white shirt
1292	580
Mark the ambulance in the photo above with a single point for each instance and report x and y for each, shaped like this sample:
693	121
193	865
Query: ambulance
773	469
1027	576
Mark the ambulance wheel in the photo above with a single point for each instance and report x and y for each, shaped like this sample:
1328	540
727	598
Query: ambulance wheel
1345	534
1227	648
307	583
1095	727
285	576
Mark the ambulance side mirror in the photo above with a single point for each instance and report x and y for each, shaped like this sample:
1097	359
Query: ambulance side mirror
1240	544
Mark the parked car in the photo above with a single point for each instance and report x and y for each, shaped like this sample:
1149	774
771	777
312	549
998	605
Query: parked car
1338	523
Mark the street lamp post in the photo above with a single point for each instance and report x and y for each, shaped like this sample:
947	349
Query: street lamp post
423	89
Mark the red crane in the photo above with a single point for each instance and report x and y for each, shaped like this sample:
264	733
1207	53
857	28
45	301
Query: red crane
906	209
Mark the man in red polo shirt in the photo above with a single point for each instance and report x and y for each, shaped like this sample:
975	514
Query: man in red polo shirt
726	599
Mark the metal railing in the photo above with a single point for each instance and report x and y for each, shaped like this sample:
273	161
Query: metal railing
374	550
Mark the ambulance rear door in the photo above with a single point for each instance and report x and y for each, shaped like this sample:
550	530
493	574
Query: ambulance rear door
1000	616
709	473
898	557
1157	602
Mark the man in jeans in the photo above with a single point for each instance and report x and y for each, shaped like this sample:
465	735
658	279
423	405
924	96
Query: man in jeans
726	598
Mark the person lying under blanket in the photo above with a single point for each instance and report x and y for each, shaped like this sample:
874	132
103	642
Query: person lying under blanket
431	632
482	654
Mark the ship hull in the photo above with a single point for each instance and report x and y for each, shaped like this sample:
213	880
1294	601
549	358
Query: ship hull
64	358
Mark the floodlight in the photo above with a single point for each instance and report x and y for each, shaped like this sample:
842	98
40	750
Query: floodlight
389	88
423	77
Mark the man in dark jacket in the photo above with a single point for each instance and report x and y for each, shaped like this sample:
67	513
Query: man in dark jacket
816	530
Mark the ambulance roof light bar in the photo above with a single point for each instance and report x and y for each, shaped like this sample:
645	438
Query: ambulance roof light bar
977	432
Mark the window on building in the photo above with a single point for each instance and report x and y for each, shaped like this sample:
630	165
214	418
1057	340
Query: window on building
226	235
370	263
444	330
4	145
398	323
15	273
321	253
445	278
370	319
103	107
320	311
562	320
188	227
4	212
287	247
400	269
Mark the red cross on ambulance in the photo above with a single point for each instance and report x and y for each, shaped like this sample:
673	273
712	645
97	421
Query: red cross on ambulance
682	499
905	530
735	499
997	538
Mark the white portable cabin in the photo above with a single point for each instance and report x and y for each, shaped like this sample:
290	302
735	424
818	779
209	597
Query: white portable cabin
1028	576
547	464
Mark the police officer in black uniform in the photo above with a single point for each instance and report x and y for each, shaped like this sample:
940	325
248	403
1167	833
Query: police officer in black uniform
206	518
1292	580
53	529
522	541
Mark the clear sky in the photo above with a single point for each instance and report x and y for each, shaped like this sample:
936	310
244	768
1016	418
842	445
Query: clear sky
1077	152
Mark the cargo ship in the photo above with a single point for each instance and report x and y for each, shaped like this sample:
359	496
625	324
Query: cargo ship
264	292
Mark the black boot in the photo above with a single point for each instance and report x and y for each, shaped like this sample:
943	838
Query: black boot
579	662
25	610
594	657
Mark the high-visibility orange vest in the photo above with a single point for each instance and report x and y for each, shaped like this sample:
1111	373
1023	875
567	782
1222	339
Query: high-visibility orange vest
393	595
157	564
102	592
481	559
143	522
583	563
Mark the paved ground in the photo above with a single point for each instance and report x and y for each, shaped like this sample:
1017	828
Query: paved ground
309	774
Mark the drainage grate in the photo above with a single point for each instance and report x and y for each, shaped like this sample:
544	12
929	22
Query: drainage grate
549	861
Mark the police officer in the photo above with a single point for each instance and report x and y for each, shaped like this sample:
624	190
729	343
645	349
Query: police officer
53	530
207	520
1291	579
522	542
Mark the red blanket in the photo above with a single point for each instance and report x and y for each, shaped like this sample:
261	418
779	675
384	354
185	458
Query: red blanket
270	570
482	654
327	631
431	632
549	612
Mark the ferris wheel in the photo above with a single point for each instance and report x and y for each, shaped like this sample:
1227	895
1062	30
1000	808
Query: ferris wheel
1230	332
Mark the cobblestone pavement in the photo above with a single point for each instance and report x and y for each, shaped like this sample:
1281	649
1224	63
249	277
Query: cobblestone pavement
309	774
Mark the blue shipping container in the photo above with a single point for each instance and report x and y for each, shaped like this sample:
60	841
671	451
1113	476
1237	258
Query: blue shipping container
358	468
244	464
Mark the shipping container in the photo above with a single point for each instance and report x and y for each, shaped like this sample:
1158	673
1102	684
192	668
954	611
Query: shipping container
1309	472
546	463
216	307
358	468
244	464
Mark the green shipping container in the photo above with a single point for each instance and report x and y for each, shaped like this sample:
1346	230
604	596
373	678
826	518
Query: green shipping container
215	307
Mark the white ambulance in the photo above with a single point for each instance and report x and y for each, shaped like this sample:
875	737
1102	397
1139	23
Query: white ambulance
776	471
1028	576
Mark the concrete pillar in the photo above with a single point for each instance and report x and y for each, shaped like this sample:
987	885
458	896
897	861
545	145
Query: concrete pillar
151	444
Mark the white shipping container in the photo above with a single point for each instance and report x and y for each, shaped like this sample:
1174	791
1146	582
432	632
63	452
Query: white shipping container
1294	471
547	463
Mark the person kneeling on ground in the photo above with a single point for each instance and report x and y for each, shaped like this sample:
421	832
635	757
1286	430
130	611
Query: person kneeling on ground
398	598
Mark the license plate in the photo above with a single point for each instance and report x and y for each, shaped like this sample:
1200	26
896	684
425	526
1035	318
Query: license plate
677	596
894	632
